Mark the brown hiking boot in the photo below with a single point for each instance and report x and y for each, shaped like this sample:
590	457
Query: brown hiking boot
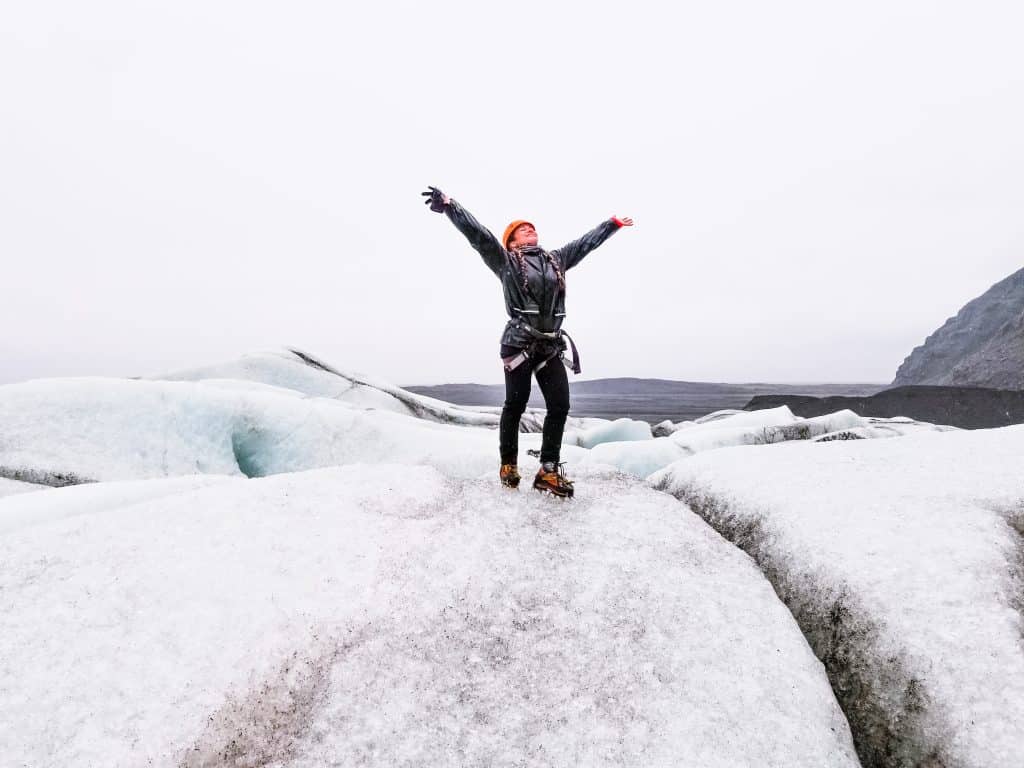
509	475
551	479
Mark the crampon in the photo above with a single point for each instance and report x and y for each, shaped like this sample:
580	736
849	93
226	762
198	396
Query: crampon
509	475
551	479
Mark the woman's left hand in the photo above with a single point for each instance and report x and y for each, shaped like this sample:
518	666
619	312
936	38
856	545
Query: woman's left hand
623	221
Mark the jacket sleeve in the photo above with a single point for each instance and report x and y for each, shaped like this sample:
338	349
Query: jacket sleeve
485	243
572	253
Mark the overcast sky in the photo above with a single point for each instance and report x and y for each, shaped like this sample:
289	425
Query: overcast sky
816	186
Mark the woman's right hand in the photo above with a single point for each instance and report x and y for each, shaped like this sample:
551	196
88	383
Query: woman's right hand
436	199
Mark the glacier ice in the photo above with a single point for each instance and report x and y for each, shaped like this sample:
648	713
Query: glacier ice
39	508
903	560
10	487
388	614
418	564
302	373
637	459
663	428
66	431
279	412
619	430
726	429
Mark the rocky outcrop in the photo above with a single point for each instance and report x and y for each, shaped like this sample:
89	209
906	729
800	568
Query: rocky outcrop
982	346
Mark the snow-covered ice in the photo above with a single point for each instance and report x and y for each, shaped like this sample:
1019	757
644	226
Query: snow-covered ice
277	412
11	487
392	615
92	498
726	429
765	417
302	373
637	459
63	431
903	560
397	607
619	430
872	427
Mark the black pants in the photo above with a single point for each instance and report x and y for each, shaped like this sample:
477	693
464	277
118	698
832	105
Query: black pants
554	384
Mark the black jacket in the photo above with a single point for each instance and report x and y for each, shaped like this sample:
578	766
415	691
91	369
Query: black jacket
543	304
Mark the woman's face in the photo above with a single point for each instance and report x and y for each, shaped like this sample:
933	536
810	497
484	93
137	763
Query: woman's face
524	234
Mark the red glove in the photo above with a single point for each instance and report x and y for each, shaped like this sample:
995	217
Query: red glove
625	222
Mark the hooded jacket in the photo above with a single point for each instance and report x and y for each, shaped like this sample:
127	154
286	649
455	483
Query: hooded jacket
541	305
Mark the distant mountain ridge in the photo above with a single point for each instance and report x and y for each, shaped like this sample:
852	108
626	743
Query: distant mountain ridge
981	346
652	400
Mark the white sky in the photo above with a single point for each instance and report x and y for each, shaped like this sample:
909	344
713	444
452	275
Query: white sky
817	186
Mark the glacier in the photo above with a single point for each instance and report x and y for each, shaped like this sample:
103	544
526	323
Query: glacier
903	561
271	561
391	614
277	412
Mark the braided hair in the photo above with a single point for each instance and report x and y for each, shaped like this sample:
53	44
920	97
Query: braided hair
520	261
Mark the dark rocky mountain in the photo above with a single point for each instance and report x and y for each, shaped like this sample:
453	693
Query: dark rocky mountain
982	346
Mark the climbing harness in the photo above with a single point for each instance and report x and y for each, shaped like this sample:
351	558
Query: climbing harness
537	349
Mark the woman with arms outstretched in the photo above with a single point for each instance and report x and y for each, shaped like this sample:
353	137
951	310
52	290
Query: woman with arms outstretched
533	281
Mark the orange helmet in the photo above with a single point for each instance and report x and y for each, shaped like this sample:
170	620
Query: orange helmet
512	228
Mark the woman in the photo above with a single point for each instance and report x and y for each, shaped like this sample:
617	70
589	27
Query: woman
533	280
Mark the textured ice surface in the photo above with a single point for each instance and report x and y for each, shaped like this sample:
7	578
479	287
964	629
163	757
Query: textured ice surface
663	428
389	615
901	425
619	430
763	417
64	431
725	429
773	425
637	459
38	508
11	487
903	560
766	417
206	619
303	373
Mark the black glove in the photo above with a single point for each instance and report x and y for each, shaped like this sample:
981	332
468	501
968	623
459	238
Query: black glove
435	199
